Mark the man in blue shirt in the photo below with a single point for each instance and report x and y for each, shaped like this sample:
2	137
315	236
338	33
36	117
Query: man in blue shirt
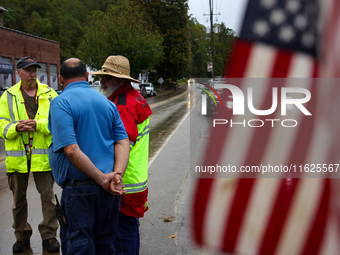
88	156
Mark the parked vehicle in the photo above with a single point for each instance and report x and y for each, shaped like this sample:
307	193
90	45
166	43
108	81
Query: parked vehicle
135	85
150	89
142	91
96	86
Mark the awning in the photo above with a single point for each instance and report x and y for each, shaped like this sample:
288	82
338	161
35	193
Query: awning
5	66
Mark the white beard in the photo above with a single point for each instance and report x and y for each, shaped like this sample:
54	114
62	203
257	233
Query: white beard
107	92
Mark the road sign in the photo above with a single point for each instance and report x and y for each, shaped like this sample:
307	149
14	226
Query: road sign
209	66
160	80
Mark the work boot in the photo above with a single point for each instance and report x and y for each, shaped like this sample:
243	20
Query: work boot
21	245
51	245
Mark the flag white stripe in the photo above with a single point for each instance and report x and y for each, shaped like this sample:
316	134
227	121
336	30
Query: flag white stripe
257	214
260	64
300	216
334	55
301	66
330	25
218	209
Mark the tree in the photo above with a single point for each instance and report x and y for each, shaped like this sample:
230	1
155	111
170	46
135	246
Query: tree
200	50
67	21
126	31
153	34
35	25
223	47
171	17
16	17
42	7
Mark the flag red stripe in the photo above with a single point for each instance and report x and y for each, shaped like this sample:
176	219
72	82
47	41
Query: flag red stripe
239	59
316	69
238	205
282	64
278	216
202	193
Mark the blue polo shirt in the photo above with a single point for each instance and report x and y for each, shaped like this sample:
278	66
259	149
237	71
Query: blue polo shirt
83	116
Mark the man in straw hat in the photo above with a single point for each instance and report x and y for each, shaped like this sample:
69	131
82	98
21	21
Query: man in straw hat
88	154
135	113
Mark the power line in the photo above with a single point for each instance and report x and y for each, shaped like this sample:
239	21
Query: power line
202	6
220	6
216	5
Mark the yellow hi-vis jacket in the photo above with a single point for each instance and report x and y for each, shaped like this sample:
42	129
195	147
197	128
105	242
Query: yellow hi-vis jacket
135	114
13	109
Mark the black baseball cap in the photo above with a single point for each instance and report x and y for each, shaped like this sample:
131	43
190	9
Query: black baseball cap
27	62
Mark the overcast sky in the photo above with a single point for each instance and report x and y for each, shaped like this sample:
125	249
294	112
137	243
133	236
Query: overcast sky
231	12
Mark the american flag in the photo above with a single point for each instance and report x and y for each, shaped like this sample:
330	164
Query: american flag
288	216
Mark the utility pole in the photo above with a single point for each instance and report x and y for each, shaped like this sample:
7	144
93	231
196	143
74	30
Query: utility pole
212	37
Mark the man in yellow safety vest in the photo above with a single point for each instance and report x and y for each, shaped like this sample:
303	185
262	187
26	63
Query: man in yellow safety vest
24	112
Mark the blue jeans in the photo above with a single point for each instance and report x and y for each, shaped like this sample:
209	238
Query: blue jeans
92	220
127	241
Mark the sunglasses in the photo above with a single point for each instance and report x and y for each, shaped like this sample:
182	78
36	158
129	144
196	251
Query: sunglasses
105	78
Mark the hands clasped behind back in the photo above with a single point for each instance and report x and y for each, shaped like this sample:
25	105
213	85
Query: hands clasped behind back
117	185
113	183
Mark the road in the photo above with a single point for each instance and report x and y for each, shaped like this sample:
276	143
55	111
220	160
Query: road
172	150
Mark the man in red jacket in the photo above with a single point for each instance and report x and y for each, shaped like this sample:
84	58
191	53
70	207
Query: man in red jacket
135	113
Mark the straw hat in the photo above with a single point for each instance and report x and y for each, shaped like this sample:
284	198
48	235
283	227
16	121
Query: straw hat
117	66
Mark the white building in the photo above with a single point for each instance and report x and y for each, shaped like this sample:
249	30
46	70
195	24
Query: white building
91	77
143	77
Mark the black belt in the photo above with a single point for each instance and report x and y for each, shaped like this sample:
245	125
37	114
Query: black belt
79	182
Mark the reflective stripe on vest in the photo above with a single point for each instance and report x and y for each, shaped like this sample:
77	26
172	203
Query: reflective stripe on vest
135	187
39	151
136	184
6	129
131	145
15	153
140	136
135	190
10	106
143	133
11	114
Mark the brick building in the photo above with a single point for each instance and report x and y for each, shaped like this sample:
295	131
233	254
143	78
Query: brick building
15	44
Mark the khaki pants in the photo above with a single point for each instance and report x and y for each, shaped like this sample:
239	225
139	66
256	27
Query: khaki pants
44	183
